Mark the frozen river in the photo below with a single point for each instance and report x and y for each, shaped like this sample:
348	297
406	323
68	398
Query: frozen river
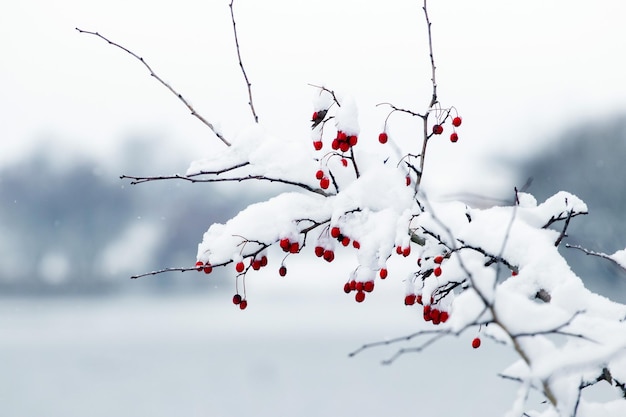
201	356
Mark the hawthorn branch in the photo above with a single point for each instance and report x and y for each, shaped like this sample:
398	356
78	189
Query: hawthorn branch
243	70
160	80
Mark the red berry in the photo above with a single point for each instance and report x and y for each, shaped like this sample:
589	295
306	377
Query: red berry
319	174
456	122
236	299
406	251
318	145
383	138
346	288
342	137
383	273
319	251
239	267
284	244
427	312
409	300
335	144
344	146
368	286
418	299
454	137
352	285
255	264
359	286
282	271
443	316
399	250
243	304
314	117
263	260
359	296
329	255
294	248
335	232
408	180
437	129
476	343
345	241
514	273
199	265
356	244
435	315
352	140
437	271
438	259
208	269
344	162
324	183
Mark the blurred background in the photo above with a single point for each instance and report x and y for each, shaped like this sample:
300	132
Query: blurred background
540	88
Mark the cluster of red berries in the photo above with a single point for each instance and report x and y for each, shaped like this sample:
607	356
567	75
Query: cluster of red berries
430	313
241	302
324	180
404	251
336	233
201	266
456	122
344	142
360	287
288	246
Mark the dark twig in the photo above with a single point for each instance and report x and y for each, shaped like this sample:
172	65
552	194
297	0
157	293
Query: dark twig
564	231
243	70
598	254
159	79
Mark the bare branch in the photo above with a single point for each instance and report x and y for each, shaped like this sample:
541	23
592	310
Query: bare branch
598	254
194	179
159	79
243	70
433	99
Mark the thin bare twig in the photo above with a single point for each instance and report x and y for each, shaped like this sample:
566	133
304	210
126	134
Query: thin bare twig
159	79
243	70
598	254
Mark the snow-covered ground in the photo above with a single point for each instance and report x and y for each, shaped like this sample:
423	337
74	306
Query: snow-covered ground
201	356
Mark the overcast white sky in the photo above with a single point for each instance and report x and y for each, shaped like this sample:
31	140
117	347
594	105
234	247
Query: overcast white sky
518	71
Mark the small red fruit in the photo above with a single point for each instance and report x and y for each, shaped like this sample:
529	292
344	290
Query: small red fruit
255	264
263	260
342	137
438	259
435	315
324	183
344	162
437	129
356	244
236	299
444	316
294	248
335	144
318	145
368	286
399	250
319	251
282	271
427	312
353	140
314	117
409	300
239	267
454	137
199	265
514	273
353	285
383	273
418	300
319	174
437	271
346	288
329	255
408	180
345	241
284	244
335	232
476	343
207	269
383	138
344	146
243	304
456	122
359	296
406	251
359	286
